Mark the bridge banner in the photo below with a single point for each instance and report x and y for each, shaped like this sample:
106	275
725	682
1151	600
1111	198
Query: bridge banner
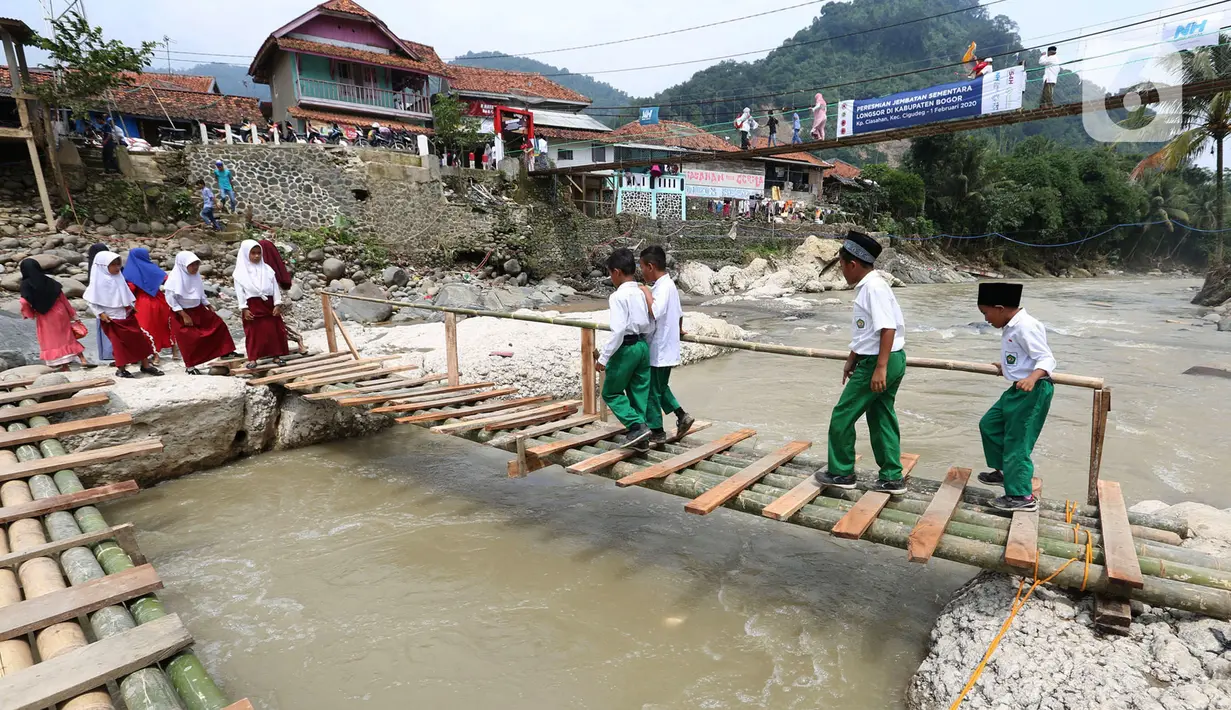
990	93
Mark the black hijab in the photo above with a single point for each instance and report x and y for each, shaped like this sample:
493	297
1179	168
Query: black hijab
40	290
89	260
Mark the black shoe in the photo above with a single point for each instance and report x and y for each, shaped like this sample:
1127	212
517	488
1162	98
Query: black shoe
992	478
893	488
121	372
658	436
153	371
1014	504
826	479
638	438
683	422
192	371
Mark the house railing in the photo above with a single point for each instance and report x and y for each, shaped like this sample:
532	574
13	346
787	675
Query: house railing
407	101
664	200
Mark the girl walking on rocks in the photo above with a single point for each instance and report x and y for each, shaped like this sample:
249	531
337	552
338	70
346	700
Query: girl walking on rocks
256	289
110	299
272	257
145	279
43	300
200	333
104	344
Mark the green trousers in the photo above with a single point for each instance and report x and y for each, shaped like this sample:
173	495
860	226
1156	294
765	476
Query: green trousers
1010	429
857	400
661	401
626	389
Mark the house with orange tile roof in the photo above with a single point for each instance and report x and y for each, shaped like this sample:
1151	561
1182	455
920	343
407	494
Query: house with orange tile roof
339	63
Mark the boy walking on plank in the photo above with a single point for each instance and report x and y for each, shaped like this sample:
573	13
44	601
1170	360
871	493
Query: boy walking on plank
664	345
625	357
1011	427
872	375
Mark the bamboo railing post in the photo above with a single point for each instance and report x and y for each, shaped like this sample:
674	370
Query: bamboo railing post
354	352
589	398
604	414
451	348
1098	435
330	337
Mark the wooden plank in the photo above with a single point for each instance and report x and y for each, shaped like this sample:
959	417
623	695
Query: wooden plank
412	396
1112	615
696	427
451	349
1022	547
292	357
50	390
241	705
686	459
799	496
17	382
71	602
931	525
51	464
1098	435
331	338
389	383
68	501
589	395
351	370
908	463
90	666
311	363
718	496
603	460
47	549
1119	553
240	366
859	518
60	405
544	429
318	370
530	418
471	424
345	336
403	388
459	399
52	431
555	447
349	377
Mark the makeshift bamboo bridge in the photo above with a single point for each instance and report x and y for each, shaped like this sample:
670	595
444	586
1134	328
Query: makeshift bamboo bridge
80	626
1099	547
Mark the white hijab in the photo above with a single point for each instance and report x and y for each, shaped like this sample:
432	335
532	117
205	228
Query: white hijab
256	279
183	284
745	120
106	289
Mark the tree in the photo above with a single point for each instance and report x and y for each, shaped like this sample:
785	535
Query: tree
453	128
1204	120
91	66
900	192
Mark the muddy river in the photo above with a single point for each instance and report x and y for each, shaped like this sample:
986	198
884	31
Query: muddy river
407	572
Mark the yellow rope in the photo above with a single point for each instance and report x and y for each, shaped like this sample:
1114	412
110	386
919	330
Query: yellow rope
1085	575
1070	507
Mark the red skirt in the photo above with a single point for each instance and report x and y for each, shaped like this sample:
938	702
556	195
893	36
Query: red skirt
154	315
265	334
129	343
204	340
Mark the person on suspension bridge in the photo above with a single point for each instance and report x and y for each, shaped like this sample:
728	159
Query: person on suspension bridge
664	346
873	372
1012	426
625	357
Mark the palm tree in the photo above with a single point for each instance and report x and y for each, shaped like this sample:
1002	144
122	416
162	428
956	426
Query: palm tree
1204	120
1168	203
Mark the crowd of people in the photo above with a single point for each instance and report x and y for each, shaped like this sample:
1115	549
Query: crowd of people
142	311
647	324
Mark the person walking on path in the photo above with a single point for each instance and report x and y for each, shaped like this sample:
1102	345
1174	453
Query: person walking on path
44	302
104	343
200	333
207	206
271	256
109	298
625	357
873	372
664	346
145	279
1051	73
1012	426
772	123
256	289
226	187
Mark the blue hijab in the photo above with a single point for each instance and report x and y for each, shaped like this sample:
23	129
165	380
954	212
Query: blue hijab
143	272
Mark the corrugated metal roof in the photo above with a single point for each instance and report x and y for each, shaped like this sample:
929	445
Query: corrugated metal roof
563	119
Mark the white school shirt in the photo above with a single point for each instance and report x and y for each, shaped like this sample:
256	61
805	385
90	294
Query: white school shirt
178	303
242	295
1052	72
629	316
1023	348
665	343
113	312
876	308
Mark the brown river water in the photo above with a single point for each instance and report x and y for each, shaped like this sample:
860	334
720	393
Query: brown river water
406	571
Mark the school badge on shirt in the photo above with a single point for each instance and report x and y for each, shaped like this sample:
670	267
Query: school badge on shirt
860	323
1011	359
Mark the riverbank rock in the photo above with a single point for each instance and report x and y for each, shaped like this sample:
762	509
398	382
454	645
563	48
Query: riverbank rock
1217	287
364	311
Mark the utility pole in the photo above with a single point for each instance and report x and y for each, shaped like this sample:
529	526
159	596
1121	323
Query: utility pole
166	44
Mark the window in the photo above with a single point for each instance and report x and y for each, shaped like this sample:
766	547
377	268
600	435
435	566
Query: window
598	154
564	155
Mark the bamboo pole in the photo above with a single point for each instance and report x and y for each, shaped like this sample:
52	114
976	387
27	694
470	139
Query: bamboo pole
15	653
455	377
1098	435
345	336
331	338
929	363
589	399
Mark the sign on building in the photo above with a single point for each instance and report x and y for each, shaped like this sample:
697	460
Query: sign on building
481	108
713	184
991	93
649	116
1192	32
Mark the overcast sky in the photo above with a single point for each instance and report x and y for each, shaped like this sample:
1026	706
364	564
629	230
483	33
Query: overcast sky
238	27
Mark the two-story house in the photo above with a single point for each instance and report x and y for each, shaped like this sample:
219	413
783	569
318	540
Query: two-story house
339	63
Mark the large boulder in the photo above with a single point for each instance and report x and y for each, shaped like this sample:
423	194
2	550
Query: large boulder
10	359
1217	287
49	262
394	276
817	250
11	282
72	287
695	277
333	268
303	423
363	311
459	295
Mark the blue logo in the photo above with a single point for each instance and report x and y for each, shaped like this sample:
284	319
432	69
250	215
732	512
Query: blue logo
1192	28
649	116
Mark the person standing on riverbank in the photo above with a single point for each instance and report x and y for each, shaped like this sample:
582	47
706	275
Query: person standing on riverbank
873	372
200	333
625	357
145	280
104	343
1012	426
664	346
43	300
256	289
110	299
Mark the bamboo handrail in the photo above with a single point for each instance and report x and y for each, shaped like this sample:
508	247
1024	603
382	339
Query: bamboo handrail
1095	383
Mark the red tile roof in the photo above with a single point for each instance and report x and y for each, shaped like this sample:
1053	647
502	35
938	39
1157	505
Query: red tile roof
185	105
347	119
349	7
431	63
185	82
841	168
801	157
672	134
513	83
569	134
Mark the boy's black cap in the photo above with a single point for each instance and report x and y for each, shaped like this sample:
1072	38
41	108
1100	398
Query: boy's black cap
995	293
866	244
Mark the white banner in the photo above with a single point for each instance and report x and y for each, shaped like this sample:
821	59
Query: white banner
737	181
1192	32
